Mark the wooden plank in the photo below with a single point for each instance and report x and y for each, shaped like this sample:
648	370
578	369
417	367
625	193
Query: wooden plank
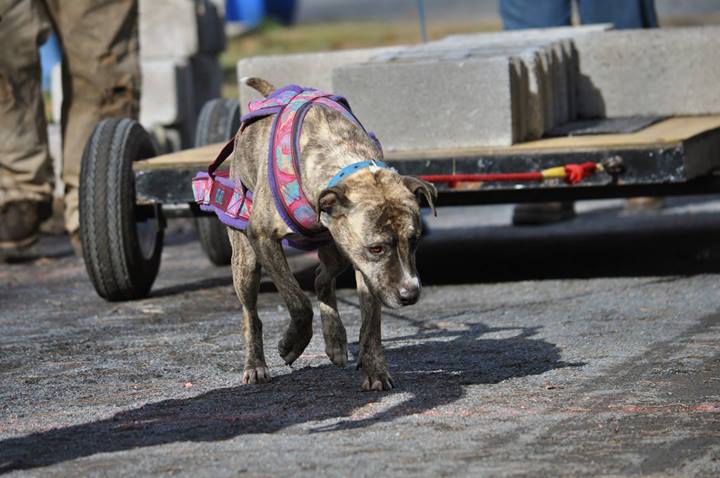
662	134
196	157
666	133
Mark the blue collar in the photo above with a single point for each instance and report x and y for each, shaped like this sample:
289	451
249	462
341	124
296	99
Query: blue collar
354	168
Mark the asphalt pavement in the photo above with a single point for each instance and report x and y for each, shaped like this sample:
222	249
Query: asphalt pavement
589	348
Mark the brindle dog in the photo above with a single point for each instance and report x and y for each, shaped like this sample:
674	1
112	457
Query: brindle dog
373	217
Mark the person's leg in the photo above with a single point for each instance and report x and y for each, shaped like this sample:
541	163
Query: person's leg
26	179
519	14
101	78
622	13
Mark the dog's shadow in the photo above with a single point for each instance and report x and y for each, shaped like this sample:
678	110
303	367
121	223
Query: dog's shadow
431	369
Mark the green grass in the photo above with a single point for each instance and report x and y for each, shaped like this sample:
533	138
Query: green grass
273	39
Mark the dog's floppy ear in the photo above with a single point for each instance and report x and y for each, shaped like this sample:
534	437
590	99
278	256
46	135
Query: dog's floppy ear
330	202
421	188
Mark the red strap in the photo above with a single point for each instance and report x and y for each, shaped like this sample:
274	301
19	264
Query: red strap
574	173
222	156
459	178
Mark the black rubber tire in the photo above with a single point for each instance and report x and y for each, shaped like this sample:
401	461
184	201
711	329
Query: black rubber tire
219	120
121	264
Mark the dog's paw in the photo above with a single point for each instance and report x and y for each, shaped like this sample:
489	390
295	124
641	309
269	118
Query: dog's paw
335	339
338	354
377	381
256	375
293	344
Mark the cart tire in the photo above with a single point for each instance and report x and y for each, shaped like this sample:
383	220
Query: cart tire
122	255
219	120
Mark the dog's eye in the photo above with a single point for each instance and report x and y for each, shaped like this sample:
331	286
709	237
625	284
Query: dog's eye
377	250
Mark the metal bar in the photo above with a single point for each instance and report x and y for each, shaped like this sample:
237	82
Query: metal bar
464	178
652	171
703	186
652	166
575	193
421	18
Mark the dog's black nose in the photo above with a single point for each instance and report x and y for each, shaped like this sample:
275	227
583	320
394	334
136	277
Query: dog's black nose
409	295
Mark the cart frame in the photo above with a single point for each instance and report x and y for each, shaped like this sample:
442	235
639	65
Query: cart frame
676	156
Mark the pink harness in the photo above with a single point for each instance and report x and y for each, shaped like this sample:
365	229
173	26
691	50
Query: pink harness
232	202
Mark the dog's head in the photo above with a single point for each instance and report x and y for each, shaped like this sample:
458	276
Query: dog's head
374	218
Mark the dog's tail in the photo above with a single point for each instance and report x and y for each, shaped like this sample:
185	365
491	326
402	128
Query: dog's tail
264	87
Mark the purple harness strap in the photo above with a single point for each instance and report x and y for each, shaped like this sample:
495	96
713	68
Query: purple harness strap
233	202
284	161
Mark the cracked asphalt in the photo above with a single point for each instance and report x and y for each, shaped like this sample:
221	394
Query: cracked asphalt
585	348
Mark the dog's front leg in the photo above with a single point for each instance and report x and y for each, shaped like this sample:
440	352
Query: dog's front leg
372	358
332	263
299	331
246	278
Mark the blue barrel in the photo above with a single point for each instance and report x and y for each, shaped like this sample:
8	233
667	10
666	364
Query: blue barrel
249	12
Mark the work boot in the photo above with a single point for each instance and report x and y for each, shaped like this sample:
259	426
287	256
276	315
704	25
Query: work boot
535	214
20	224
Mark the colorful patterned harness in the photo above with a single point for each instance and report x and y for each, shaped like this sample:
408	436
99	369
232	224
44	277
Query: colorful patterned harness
215	192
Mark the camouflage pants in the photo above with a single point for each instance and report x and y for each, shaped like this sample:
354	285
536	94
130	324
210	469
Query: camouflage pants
101	78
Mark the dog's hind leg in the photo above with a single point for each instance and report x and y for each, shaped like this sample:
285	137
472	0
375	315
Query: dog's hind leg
372	358
246	278
299	331
332	263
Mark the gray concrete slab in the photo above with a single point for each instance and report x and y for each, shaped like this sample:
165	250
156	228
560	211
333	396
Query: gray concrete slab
168	92
168	28
305	69
434	104
649	72
528	101
542	85
552	76
538	95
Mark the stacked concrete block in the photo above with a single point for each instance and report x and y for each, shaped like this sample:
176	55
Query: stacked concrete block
168	28
549	56
496	89
538	93
305	69
435	104
625	73
538	78
561	59
650	72
565	57
167	96
180	41
535	79
563	78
